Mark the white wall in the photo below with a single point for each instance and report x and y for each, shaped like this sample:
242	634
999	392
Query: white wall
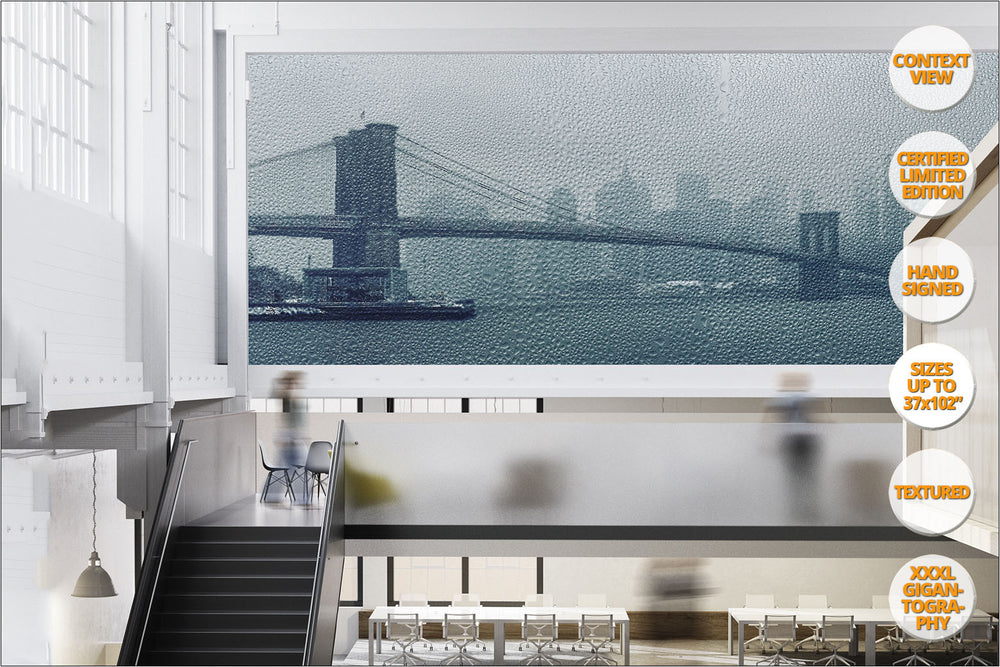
41	620
25	529
64	274
192	306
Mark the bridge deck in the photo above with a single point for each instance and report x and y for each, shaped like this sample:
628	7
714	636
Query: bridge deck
329	227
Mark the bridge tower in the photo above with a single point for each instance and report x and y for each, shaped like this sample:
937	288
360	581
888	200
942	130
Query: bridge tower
819	242
366	189
366	259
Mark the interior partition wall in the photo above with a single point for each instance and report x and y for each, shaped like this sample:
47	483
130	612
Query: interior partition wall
974	334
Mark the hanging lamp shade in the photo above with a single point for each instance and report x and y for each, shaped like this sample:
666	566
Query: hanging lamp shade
94	582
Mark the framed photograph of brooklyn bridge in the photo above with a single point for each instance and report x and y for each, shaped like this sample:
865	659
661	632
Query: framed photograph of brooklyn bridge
579	208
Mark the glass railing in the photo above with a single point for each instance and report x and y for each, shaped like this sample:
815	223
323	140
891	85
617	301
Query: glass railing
322	629
156	545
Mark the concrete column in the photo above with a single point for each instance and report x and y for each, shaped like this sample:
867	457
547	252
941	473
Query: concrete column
147	234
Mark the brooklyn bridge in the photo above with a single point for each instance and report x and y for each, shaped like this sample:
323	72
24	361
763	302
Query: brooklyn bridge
365	228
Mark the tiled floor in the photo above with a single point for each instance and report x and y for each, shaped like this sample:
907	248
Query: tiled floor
646	652
687	652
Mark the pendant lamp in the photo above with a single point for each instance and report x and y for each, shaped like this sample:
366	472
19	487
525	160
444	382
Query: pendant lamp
94	582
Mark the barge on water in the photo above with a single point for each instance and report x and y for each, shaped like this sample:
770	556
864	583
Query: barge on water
361	310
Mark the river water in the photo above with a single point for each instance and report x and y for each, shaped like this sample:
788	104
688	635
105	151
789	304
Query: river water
605	329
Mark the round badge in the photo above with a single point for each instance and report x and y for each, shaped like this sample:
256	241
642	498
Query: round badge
931	280
932	597
932	174
931	386
932	68
931	492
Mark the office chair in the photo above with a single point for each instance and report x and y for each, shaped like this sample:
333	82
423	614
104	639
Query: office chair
461	631
592	600
404	630
589	600
416	600
413	600
916	645
762	601
978	633
318	465
538	600
468	600
597	631
539	631
892	636
780	631
812	602
836	631
282	476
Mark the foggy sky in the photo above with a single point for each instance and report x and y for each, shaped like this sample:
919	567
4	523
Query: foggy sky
755	125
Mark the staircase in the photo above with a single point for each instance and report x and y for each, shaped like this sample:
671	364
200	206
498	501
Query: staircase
233	596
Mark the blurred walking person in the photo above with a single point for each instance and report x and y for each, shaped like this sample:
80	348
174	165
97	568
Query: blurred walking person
795	408
291	436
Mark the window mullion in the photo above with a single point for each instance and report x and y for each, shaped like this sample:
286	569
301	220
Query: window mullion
73	111
29	20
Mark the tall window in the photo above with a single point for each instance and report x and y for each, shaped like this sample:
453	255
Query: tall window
503	405
55	97
437	577
427	405
497	581
16	27
506	578
184	104
350	590
484	405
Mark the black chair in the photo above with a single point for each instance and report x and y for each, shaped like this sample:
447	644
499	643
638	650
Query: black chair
318	465
281	478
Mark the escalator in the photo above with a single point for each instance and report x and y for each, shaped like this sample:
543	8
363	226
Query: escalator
236	595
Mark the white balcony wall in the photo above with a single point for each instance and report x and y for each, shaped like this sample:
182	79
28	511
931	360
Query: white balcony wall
63	280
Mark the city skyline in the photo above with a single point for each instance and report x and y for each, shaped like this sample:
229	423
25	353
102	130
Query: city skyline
793	121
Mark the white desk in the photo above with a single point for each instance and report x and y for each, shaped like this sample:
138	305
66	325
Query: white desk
499	616
865	616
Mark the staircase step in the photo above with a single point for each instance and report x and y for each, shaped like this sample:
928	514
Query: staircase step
233	640
249	533
234	596
239	584
188	602
223	657
235	620
243	549
244	566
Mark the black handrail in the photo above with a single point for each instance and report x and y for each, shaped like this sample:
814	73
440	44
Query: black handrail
322	626
142	602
